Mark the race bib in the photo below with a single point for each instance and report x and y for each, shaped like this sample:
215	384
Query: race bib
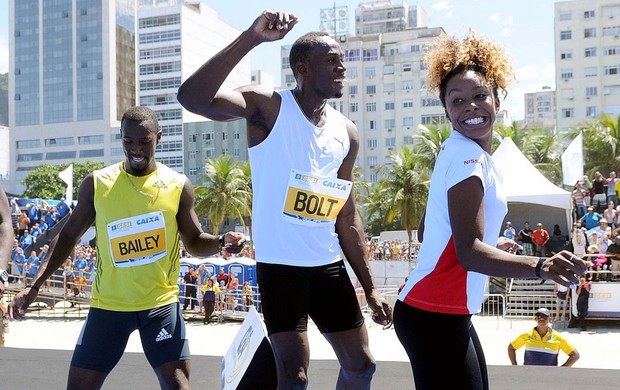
314	200
138	240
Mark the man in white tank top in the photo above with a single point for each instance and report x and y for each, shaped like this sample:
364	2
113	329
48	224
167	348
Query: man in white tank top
302	154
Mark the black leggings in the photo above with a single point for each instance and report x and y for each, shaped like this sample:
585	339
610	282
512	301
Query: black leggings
443	349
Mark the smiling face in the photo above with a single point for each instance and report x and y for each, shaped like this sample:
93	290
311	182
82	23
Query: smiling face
471	106
139	142
325	72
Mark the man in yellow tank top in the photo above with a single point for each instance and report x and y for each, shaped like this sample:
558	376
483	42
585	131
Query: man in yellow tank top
139	208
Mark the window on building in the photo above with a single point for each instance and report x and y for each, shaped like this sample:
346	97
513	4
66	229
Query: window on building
371	161
352	89
408	121
352	55
589	14
612	31
391	141
589	32
389	87
565	16
90	139
590	71
289	79
407	67
591	111
372	125
408	140
352	73
566	35
388	69
192	155
568	113
353	107
566	55
370	54
371	89
390	123
407	103
433	119
566	74
389	106
591	91
372	143
611	70
91	153
370	71
590	52
407	85
371	107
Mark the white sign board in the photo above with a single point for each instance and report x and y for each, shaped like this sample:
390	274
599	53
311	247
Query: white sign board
244	346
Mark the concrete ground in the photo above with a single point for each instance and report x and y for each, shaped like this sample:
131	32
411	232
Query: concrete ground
39	350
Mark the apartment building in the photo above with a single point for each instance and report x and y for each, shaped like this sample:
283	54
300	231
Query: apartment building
540	109
587	60
172	45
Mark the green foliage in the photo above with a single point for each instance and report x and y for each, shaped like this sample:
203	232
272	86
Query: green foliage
227	192
406	185
601	143
44	182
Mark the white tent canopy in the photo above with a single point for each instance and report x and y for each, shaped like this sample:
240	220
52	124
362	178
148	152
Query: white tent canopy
531	197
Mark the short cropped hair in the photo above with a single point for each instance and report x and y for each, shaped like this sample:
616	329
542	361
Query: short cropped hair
448	56
141	114
303	46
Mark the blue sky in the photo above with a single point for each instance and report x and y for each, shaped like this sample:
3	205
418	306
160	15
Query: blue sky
524	27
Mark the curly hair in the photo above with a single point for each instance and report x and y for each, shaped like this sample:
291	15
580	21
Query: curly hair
448	56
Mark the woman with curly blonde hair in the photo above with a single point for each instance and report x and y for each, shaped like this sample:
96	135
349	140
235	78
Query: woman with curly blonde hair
460	245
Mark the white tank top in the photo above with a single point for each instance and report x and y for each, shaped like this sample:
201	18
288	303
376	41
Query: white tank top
292	224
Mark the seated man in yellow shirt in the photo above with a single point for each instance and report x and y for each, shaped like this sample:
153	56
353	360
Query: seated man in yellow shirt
542	344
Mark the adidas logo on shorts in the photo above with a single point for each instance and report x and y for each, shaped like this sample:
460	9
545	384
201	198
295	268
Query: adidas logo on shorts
163	335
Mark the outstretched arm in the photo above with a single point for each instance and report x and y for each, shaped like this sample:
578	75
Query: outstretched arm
201	92
353	242
474	255
79	221
197	242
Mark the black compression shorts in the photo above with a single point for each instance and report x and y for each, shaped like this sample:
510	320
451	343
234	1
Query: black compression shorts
290	294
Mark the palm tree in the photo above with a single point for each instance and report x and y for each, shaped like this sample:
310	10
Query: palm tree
225	193
427	144
407	186
601	144
247	185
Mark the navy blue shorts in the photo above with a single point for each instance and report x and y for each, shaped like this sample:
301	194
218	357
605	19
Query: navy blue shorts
290	294
105	333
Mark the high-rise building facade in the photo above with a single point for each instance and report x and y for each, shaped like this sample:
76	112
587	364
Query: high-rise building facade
385	16
587	61
72	75
172	45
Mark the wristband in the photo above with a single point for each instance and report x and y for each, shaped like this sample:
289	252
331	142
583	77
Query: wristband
539	267
33	287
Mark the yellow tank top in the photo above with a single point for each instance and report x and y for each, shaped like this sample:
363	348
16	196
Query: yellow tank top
138	260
